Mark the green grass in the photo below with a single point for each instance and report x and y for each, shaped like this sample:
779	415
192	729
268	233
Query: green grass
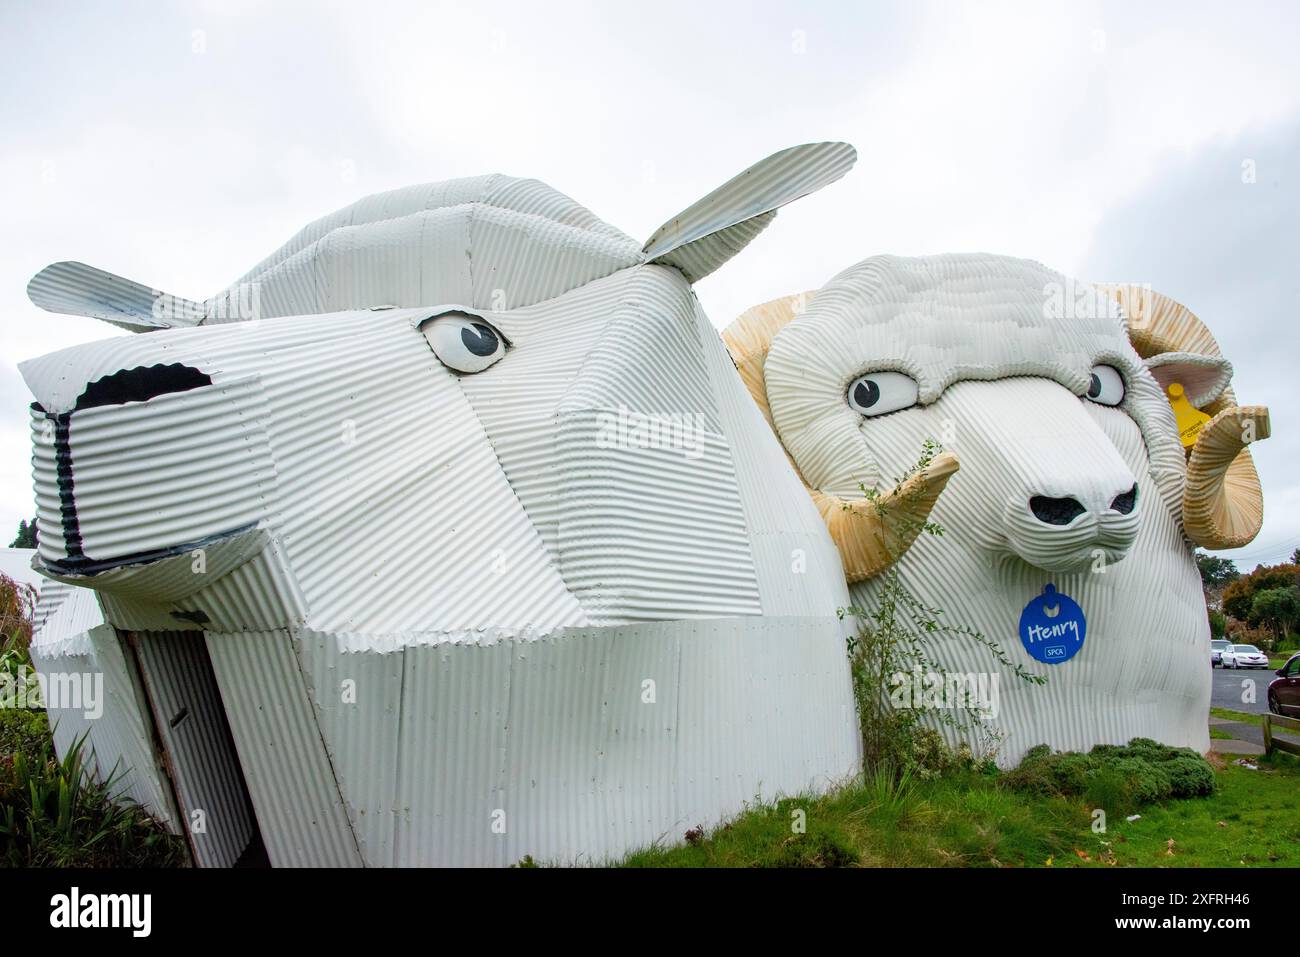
1245	717
969	819
1218	734
1252	819
962	819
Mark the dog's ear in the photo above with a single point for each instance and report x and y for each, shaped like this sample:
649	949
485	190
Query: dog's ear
711	230
75	289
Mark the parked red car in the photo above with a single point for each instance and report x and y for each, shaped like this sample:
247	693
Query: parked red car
1284	690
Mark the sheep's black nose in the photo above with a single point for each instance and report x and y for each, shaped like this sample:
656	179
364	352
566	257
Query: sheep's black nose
1125	501
1055	511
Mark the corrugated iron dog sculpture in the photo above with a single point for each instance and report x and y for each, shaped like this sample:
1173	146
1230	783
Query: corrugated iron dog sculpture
461	496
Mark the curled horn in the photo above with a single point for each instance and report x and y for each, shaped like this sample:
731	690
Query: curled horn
1223	503
1223	506
871	534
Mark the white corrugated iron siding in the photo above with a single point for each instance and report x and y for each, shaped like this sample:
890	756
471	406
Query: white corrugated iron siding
289	775
455	754
190	721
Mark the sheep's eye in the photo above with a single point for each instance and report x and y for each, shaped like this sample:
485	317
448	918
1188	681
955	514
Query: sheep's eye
1107	386
878	393
463	342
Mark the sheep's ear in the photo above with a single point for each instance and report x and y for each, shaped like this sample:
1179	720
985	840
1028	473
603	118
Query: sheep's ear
710	231
1202	377
75	289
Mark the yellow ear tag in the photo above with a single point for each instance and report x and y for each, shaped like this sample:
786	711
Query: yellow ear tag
1189	418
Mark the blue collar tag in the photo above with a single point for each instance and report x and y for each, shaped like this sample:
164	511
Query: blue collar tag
1052	627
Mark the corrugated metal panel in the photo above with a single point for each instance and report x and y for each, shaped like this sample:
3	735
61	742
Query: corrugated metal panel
648	357
132	614
585	744
301	816
516	406
796	564
650	524
426	476
358	701
648	534
75	289
52	595
45	479
518	260
455	706
64	615
65	290
467	241
347	259
579	746
709	232
179	576
189	719
260	594
178	468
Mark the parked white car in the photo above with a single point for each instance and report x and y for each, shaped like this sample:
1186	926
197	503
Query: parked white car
1243	656
1217	647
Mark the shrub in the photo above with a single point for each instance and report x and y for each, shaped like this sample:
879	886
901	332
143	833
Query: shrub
1218	623
1070	773
1034	772
1190	776
1147	781
1108	788
22	730
1116	777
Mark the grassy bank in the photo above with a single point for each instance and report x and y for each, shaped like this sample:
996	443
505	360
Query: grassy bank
972	819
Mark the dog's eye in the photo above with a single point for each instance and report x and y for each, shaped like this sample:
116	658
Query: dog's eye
1107	386
878	393
463	342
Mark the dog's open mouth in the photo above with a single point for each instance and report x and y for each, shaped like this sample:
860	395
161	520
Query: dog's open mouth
150	463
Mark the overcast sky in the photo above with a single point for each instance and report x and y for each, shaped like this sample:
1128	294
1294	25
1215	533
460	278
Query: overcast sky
179	143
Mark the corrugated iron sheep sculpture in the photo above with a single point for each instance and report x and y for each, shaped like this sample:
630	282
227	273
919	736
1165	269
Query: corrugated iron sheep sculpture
1073	492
